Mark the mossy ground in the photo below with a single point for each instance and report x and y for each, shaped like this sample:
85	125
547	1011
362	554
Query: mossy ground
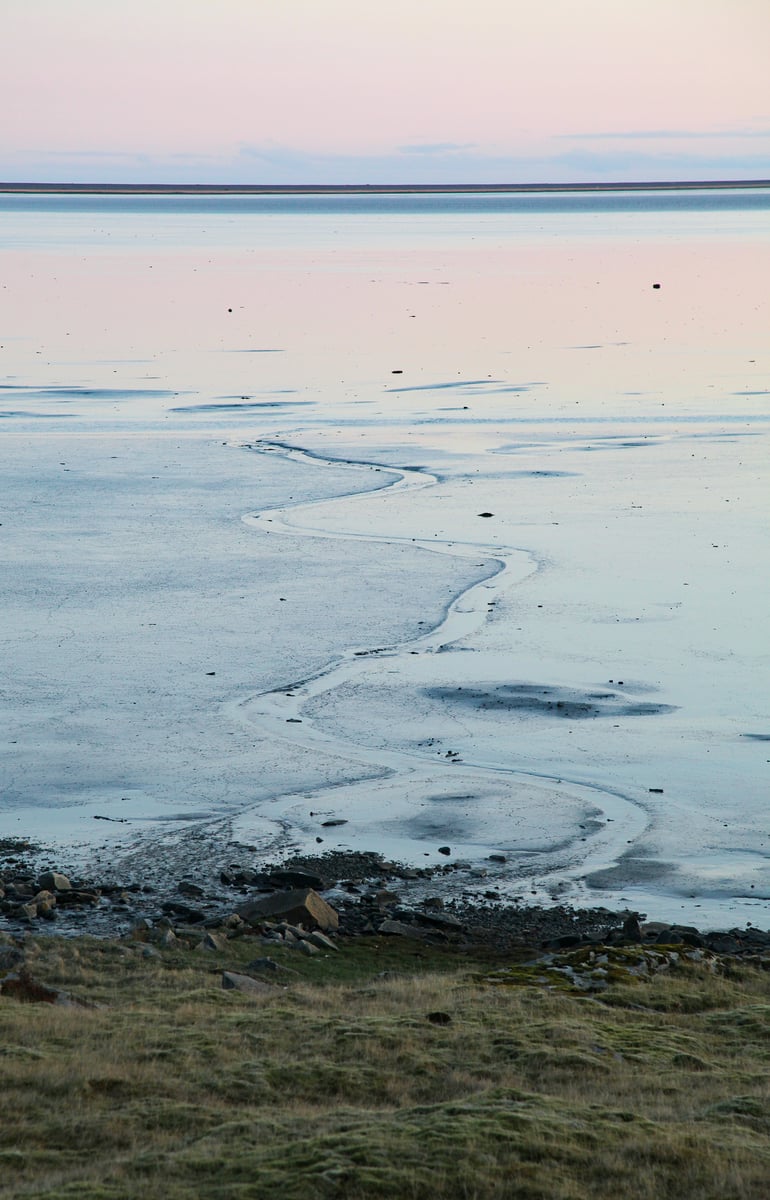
339	1085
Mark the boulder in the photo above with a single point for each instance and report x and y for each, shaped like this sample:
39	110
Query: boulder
212	941
632	930
439	920
316	938
232	981
301	906
190	889
52	881
183	913
399	929
267	966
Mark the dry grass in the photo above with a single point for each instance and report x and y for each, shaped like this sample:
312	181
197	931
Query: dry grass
176	1088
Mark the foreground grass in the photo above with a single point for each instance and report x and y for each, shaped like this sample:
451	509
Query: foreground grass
339	1085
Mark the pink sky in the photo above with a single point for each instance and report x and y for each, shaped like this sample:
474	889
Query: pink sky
270	91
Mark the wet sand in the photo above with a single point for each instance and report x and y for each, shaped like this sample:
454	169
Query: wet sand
424	531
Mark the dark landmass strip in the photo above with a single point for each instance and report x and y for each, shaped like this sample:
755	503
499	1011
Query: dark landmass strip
383	189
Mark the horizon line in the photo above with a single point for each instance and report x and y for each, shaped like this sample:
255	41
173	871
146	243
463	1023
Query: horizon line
265	189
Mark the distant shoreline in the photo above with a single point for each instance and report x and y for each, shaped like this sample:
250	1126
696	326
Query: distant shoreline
361	189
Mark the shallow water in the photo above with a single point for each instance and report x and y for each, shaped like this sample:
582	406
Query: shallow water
577	681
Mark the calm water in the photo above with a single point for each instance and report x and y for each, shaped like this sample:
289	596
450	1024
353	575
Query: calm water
591	369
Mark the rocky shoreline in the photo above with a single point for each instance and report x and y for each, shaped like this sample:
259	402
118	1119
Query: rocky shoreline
344	895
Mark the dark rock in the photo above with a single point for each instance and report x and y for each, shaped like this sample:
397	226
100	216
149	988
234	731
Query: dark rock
723	943
190	916
756	937
566	941
439	920
438	1018
297	878
19	890
444	850
399	929
267	966
190	889
336	821
75	897
632	930
689	936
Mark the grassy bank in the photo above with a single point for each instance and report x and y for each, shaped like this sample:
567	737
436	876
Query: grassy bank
386	1070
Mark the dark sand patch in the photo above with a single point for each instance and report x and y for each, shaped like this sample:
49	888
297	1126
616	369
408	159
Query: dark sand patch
631	872
551	701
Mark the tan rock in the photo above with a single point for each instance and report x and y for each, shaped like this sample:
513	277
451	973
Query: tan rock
52	881
212	941
301	906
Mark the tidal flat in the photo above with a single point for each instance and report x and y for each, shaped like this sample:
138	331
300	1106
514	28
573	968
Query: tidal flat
440	519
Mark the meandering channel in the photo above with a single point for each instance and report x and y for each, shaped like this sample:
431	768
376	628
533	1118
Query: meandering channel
281	713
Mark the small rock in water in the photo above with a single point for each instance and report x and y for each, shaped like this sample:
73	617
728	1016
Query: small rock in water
486	514
444	850
189	889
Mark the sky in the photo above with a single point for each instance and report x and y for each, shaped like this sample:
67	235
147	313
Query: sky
401	91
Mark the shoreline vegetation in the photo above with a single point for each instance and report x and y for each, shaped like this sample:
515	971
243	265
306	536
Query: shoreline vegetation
354	189
259	1057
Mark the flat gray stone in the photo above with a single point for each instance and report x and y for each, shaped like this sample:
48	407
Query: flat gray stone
232	981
